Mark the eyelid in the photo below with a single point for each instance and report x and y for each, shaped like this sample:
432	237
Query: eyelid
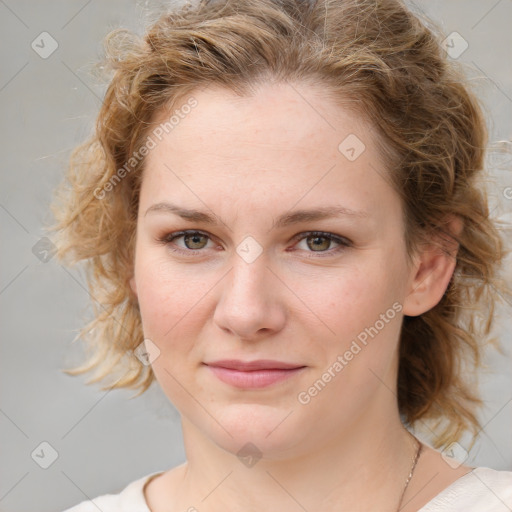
343	242
327	234
169	237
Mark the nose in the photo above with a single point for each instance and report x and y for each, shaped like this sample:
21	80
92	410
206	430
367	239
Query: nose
250	306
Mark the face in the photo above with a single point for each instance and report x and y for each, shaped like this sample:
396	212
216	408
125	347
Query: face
271	326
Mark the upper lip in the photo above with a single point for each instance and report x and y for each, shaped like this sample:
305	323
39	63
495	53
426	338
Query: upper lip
260	364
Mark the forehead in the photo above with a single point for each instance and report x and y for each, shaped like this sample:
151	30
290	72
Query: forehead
281	116
279	144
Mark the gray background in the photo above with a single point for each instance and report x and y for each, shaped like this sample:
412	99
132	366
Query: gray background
103	439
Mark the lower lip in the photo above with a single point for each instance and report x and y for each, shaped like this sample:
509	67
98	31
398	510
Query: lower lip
253	379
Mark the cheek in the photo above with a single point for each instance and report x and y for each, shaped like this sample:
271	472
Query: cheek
171	314
354	299
364	311
166	296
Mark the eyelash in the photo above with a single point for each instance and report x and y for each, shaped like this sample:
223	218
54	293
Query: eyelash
344	243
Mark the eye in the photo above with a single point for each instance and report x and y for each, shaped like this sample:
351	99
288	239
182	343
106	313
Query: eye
316	241
194	241
320	242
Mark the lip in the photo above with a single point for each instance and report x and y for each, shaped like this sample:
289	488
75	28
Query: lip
253	374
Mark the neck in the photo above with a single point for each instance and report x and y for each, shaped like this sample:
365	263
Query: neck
336	475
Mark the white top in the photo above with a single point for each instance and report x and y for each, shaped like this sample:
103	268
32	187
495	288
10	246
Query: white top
481	490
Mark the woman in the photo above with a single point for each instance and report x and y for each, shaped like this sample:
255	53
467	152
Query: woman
282	215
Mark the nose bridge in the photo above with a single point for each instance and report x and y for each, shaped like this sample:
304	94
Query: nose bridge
248	286
249	270
249	301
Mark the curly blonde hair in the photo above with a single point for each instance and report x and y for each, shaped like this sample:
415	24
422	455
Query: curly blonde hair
391	68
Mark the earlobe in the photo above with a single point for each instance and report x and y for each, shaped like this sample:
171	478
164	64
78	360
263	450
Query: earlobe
432	271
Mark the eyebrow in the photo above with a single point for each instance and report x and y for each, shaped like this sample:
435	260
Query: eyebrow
287	219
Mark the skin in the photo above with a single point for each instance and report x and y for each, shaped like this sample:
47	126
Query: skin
249	160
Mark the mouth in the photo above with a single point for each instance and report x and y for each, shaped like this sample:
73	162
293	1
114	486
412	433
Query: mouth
253	374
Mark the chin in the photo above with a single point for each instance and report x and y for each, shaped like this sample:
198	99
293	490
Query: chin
267	429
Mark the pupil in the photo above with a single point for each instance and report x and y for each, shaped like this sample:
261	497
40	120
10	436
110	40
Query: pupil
317	241
195	239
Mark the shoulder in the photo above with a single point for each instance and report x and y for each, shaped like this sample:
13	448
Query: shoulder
130	499
481	490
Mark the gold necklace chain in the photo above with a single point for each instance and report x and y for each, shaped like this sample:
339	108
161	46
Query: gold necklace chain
414	462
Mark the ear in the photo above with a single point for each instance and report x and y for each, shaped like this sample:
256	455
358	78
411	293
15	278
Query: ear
133	285
432	270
